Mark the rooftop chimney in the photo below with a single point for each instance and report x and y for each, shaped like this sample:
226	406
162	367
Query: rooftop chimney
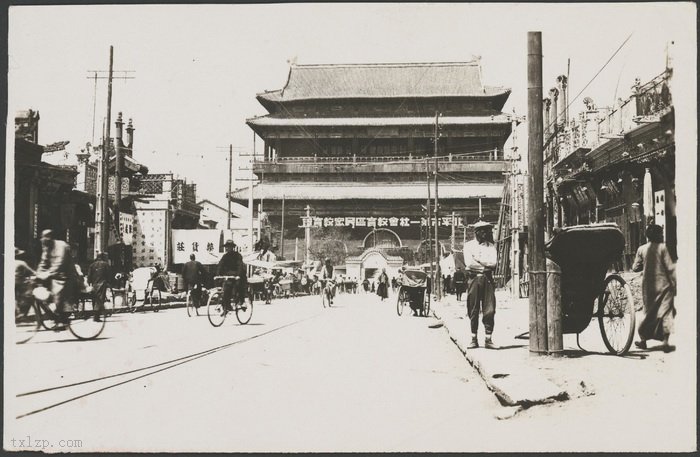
554	115
118	134
130	139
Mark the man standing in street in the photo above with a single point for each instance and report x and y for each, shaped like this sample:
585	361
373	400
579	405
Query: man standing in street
98	278
231	264
480	258
193	276
56	267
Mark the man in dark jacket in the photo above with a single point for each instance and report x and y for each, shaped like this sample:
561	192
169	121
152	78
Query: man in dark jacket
458	281
193	276
98	278
57	268
231	264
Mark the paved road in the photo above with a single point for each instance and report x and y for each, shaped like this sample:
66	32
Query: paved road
355	377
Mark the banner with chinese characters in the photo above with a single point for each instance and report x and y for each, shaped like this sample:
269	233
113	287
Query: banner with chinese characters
126	227
376	222
204	244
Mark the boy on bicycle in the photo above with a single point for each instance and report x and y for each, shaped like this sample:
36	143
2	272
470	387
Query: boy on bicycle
328	285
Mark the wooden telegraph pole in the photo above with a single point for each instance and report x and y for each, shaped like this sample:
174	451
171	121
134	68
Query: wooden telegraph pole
230	179
438	289
282	231
535	232
104	201
428	226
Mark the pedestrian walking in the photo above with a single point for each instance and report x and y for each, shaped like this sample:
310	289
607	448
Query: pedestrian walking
458	282
98	278
480	259
658	289
193	275
383	286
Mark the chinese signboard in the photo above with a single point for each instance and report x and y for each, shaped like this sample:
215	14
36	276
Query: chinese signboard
126	228
376	222
204	244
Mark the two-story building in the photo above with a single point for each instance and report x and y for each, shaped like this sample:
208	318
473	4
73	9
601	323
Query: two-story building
615	164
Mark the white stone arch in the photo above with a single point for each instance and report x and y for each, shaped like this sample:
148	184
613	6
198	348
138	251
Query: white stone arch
381	230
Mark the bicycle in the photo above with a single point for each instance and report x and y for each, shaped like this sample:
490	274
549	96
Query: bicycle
81	318
328	292
193	310
217	312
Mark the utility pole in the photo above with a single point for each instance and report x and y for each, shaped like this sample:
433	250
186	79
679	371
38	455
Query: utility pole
307	233
250	199
452	238
296	248
104	219
536	258
438	290
282	231
102	207
429	226
230	178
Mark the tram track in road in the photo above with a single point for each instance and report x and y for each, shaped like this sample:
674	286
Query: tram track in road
153	369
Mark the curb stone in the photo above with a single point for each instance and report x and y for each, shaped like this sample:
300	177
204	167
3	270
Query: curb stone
512	381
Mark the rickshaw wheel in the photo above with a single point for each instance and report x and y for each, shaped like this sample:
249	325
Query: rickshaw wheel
401	301
426	304
616	315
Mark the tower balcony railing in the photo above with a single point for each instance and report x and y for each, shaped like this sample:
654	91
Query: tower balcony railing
495	155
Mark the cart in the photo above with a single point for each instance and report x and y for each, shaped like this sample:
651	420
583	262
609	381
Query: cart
585	254
414	291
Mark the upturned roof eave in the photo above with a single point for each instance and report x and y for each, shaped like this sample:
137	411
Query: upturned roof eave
268	99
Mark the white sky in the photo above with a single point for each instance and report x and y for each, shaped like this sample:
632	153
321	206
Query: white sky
199	67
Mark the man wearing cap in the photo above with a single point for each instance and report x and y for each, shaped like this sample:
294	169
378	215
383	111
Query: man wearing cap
98	278
231	264
56	266
480	259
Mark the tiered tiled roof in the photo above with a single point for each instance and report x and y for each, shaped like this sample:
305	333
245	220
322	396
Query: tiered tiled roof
349	81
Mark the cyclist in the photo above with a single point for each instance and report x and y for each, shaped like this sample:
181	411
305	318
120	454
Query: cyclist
56	267
193	276
231	264
329	284
23	275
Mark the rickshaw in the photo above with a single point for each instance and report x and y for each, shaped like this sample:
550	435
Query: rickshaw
260	286
414	291
585	254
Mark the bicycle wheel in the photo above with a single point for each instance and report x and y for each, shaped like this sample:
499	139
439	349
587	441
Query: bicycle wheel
85	321
47	314
154	298
244	311
189	304
215	309
401	301
616	315
27	323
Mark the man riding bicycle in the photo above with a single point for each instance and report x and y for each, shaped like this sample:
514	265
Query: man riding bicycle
231	264
327	280
56	268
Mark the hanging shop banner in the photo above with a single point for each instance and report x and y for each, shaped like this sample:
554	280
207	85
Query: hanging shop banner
204	244
126	228
375	222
